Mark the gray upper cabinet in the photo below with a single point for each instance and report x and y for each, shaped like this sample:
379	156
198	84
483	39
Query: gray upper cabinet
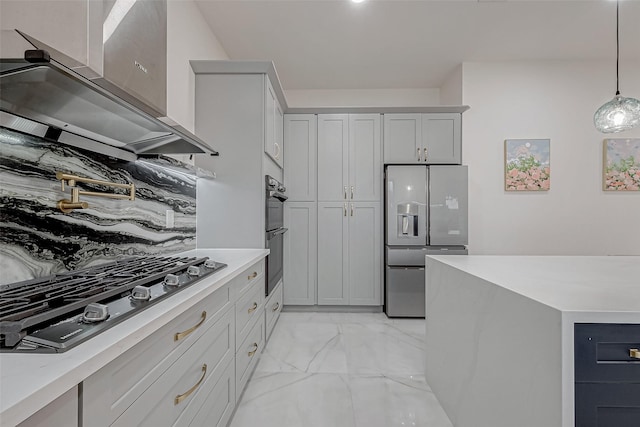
333	157
273	140
402	138
300	136
441	138
365	164
349	164
427	138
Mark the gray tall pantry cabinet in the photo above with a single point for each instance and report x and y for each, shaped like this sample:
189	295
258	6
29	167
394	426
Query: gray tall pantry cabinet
346	270
300	212
238	107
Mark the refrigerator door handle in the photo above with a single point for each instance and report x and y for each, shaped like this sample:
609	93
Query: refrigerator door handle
419	155
425	154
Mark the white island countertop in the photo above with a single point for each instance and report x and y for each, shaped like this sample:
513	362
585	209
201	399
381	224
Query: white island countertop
566	283
28	382
500	331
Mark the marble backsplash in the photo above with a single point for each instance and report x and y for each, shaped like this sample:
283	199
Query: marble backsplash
37	239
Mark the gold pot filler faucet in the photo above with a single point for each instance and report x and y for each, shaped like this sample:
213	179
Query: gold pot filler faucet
67	206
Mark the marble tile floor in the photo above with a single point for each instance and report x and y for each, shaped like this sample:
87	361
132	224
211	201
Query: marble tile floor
341	370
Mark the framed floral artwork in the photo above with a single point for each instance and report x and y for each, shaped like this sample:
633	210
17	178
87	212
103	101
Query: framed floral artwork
527	164
621	164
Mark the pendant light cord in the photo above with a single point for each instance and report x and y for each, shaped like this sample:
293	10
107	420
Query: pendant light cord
617	47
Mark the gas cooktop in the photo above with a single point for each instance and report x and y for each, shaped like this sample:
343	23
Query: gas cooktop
58	312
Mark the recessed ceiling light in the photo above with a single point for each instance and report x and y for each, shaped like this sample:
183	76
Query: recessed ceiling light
357	1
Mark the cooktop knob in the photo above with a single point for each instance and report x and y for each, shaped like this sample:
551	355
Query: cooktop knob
95	312
193	271
171	280
141	293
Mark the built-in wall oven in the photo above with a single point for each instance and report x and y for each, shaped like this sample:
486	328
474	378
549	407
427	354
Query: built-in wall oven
274	221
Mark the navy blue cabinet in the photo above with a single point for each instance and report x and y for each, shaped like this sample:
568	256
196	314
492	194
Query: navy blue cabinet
607	375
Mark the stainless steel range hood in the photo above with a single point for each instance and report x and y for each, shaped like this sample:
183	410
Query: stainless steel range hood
50	88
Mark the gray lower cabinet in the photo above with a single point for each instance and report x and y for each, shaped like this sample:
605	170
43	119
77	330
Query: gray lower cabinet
349	253
177	396
273	308
191	372
62	412
300	253
607	375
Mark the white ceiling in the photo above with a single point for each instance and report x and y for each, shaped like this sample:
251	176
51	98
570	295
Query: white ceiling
391	44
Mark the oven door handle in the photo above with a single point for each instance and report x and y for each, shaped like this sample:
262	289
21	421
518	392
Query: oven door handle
273	234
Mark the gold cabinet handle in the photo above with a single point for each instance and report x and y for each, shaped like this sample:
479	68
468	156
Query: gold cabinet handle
634	352
419	159
179	398
345	192
179	335
276	307
351	209
252	276
425	154
345	209
352	190
255	348
253	308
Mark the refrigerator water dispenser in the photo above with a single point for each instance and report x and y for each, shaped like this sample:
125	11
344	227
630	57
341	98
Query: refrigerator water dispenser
407	220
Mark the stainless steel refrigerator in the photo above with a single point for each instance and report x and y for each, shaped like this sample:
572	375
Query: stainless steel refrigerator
426	214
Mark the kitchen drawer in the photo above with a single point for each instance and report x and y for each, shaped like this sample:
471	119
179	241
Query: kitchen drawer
607	404
175	397
602	352
111	390
220	402
248	354
248	307
273	307
248	278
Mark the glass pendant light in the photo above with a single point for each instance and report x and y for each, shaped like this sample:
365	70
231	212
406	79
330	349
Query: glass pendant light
620	113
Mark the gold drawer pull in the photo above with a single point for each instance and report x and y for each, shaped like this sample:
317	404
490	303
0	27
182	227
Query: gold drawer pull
634	352
179	335
255	348
276	307
253	308
252	276
179	398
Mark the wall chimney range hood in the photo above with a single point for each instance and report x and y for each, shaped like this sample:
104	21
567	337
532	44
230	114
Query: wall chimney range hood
71	100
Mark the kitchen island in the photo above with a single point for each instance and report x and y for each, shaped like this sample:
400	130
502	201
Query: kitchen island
29	382
500	332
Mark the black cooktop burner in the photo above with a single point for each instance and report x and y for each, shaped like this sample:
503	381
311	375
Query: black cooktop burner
55	313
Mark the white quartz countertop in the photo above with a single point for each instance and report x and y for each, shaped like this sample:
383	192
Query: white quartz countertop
28	382
586	284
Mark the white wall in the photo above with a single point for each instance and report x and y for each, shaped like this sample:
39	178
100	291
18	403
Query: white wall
188	37
61	24
451	90
362	97
553	100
